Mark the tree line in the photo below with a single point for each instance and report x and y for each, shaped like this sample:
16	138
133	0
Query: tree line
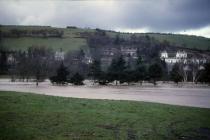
38	63
32	33
121	72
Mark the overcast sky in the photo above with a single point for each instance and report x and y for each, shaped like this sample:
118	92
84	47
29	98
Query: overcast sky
168	16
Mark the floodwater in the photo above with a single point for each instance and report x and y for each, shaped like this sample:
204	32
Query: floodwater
195	96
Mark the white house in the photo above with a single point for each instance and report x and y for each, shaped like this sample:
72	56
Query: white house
87	60
163	55
10	59
172	58
59	55
181	55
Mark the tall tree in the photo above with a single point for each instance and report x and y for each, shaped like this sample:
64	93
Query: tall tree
62	74
3	62
196	69
140	70
97	74
165	72
23	70
155	72
206	74
184	71
128	74
95	70
38	58
116	70
175	74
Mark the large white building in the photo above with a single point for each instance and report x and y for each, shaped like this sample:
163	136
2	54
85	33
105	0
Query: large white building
179	56
182	57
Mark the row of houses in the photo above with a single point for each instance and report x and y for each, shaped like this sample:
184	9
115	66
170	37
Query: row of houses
125	51
107	54
170	57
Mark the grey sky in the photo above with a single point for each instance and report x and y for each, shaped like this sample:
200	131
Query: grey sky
176	16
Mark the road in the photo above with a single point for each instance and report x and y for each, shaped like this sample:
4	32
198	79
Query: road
185	96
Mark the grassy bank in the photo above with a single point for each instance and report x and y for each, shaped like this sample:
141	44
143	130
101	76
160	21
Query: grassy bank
31	116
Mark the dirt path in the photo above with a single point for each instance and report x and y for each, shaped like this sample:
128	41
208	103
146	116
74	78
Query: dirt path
188	96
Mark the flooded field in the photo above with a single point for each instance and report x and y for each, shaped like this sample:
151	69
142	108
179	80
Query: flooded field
188	95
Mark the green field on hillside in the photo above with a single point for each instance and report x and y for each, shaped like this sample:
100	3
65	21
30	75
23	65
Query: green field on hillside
193	42
72	40
35	117
22	43
184	40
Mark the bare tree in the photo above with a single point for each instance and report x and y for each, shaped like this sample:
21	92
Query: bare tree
183	71
39	58
32	64
196	68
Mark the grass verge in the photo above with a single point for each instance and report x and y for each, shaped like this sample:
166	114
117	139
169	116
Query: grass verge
32	116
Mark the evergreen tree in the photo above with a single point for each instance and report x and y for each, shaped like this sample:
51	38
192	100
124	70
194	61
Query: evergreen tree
112	74
116	70
3	62
95	70
61	77
62	74
205	74
175	74
128	75
140	70
155	72
97	74
165	76
120	69
140	73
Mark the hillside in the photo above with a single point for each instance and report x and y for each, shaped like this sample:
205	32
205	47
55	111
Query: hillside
72	40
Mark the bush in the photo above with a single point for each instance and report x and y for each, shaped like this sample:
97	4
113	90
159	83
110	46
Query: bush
77	79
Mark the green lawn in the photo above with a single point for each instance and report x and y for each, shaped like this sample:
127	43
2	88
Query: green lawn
29	116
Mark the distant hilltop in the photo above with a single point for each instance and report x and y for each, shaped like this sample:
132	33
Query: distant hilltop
17	37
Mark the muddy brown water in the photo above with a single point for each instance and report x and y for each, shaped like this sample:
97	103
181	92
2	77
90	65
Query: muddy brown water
195	96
